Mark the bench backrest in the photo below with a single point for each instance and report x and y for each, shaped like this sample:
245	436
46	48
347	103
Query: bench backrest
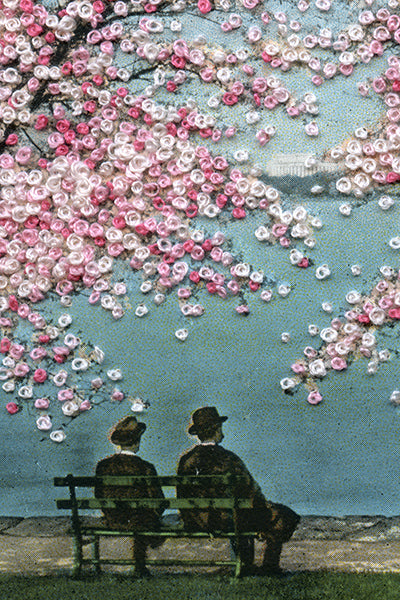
74	502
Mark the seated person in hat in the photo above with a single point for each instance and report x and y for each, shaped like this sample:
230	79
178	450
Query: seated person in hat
126	436
274	522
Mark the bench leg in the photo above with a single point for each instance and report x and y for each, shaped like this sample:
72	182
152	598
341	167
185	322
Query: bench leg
238	567
77	556
96	554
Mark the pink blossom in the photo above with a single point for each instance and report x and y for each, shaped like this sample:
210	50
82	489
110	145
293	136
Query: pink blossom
266	57
16	351
233	287
385	302
365	351
331	350
23	155
259	84
379	85
276	62
270	102
12	408
42	403
250	4
279	229
376	47
207	74
117	395
317	80
346	70
242	309
229	98
85	405
314	397
40	375
293	111
5	345
204	6
65	394
338	363
225	26
298	368
230	132
184	292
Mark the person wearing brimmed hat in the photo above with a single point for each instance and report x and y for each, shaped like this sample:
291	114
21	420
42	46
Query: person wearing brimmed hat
274	522
126	435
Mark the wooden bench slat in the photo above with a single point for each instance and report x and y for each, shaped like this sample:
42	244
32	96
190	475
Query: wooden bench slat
166	562
173	503
178	533
129	480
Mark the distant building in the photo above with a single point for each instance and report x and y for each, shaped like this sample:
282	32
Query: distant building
297	164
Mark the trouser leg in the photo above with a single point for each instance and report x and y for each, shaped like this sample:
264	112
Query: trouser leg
139	554
282	523
272	554
245	549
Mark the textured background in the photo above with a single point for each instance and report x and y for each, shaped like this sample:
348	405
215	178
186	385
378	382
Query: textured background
340	457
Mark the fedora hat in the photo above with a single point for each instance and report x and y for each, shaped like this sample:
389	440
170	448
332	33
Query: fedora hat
127	431
205	418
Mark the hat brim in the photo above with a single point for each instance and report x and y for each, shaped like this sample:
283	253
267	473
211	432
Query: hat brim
193	429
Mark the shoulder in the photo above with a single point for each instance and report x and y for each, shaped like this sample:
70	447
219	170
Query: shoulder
188	453
229	454
188	456
203	453
231	459
104	463
148	466
190	450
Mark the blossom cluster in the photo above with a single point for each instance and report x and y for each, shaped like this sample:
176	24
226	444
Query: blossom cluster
33	38
50	375
358	44
350	337
371	157
68	226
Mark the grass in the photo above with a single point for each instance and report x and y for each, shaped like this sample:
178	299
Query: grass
300	586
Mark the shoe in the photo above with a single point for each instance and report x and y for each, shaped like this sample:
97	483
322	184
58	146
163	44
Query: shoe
141	573
277	572
249	571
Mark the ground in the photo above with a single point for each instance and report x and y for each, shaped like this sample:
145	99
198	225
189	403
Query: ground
358	544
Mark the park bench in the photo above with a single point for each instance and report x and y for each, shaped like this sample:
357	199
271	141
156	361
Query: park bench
84	533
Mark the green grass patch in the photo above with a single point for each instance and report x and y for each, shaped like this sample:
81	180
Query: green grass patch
300	586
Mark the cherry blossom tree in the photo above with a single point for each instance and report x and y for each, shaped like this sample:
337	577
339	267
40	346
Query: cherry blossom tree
106	157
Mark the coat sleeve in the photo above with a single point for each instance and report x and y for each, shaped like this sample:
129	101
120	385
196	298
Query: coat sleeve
185	468
98	490
155	490
248	487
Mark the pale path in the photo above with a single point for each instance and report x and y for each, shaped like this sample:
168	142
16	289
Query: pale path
43	546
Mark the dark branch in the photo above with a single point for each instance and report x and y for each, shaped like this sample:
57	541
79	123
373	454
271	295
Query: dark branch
138	74
24	131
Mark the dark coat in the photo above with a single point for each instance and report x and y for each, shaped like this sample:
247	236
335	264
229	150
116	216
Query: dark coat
273	520
126	464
